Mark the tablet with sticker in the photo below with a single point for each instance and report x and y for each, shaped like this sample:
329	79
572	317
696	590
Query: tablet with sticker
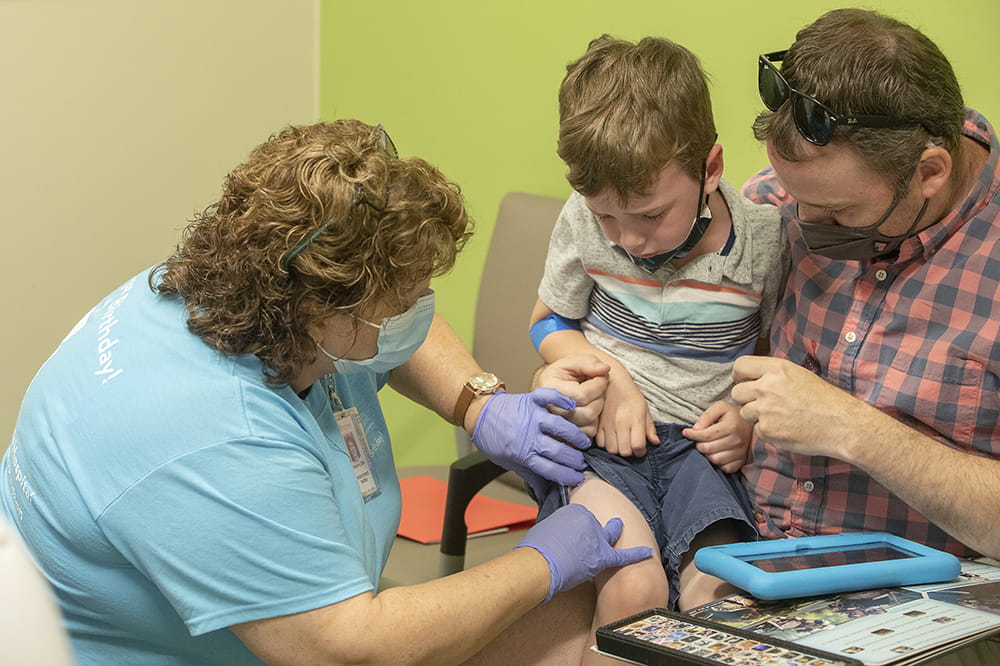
810	566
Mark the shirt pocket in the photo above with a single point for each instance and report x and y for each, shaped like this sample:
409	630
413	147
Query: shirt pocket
944	399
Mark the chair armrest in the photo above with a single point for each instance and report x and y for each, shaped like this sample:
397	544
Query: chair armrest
468	475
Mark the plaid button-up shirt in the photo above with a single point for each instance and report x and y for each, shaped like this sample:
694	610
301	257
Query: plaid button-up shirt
918	338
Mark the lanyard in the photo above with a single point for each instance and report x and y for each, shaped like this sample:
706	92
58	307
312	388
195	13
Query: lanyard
353	433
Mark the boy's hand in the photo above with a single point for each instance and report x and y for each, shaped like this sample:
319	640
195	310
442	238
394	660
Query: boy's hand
625	425
583	379
722	436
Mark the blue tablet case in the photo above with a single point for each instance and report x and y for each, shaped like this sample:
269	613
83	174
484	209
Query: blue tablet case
810	566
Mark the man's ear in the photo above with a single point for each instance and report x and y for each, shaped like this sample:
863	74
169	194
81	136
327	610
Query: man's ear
713	168
934	170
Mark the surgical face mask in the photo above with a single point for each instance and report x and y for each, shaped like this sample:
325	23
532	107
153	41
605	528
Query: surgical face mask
698	229
399	337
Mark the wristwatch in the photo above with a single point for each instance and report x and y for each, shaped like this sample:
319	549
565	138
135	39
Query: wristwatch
482	384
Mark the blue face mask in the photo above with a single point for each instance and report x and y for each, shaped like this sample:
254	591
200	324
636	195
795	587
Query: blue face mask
399	337
698	229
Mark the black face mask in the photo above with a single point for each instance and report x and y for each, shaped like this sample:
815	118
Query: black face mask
856	243
860	243
698	229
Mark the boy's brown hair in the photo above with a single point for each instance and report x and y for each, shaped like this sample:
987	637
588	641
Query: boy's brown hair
627	109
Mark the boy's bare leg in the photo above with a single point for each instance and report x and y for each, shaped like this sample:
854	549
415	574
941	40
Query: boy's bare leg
553	634
697	588
628	590
562	631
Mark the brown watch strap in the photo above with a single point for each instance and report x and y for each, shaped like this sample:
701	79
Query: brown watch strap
481	384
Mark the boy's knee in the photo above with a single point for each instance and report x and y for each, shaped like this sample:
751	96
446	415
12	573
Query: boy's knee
635	588
697	588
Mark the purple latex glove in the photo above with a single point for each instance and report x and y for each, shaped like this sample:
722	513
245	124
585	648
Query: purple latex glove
515	430
577	548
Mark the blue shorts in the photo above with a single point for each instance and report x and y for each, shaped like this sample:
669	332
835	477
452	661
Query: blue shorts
677	490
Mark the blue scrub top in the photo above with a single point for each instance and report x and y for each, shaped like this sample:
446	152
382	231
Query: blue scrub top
167	492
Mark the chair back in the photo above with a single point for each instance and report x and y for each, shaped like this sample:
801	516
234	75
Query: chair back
31	628
514	264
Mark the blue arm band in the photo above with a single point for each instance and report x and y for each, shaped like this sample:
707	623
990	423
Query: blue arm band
543	327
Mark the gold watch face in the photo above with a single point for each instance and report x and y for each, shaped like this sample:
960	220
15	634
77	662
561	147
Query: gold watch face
484	381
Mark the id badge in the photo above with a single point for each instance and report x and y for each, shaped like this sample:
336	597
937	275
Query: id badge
349	424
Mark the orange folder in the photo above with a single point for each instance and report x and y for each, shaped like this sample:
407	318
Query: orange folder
423	511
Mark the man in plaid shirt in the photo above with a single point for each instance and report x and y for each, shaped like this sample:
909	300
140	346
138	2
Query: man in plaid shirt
879	408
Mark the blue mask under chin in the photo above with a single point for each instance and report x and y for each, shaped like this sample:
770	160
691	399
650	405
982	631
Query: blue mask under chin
698	229
653	264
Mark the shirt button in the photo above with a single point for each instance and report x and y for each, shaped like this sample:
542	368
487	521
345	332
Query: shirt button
880	274
808	486
851	336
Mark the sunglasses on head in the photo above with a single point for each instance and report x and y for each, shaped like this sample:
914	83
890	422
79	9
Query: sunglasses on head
815	121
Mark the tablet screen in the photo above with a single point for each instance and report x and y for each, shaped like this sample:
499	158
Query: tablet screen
813	558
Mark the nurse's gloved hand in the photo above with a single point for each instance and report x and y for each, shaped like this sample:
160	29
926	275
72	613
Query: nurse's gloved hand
578	548
517	432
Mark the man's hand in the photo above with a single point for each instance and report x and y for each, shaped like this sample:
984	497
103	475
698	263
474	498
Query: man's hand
722	435
583	379
793	409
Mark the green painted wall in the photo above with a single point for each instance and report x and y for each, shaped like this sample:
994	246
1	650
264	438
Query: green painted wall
471	87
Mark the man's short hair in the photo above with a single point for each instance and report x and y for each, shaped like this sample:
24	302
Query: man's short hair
627	109
859	62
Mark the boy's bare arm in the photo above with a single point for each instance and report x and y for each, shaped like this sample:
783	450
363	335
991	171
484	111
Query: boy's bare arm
625	425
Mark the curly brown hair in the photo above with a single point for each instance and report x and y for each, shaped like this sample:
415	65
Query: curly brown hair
391	223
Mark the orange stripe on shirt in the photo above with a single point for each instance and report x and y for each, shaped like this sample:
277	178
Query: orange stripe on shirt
692	284
622	278
705	286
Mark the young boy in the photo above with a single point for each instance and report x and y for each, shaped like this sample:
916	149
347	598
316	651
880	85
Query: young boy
660	268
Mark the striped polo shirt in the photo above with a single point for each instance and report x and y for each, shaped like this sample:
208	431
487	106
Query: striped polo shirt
677	331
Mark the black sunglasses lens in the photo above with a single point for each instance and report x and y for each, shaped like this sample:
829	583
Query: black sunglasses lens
772	86
813	120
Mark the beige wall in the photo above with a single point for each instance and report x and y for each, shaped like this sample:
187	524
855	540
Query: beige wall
119	119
